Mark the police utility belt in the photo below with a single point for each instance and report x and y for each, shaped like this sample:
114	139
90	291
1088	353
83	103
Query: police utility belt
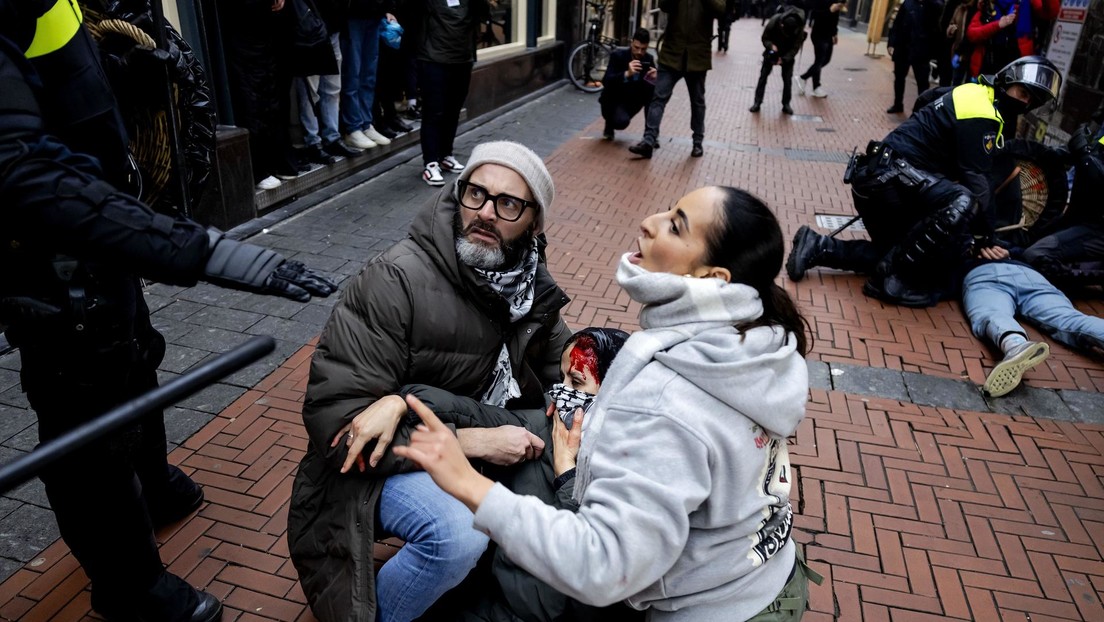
881	164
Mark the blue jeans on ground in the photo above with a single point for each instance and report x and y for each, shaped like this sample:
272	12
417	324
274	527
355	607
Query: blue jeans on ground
441	546
994	293
666	79
318	100
359	60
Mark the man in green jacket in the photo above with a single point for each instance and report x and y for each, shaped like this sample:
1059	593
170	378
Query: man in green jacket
685	53
465	304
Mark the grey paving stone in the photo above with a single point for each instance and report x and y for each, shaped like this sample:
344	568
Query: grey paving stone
1087	407
1033	402
208	294
161	289
171	330
8	379
943	392
26	440
288	330
26	531
321	263
32	492
180	358
250	375
182	423
213	399
8	567
269	305
873	381
179	310
14	397
350	253
7	506
229	319
156	302
11	361
314	315
14	420
212	339
819	375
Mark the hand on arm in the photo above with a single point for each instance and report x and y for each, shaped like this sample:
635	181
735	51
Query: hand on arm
377	422
505	445
994	253
438	452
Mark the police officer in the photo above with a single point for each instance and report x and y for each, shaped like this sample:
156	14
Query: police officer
1072	254
71	249
922	188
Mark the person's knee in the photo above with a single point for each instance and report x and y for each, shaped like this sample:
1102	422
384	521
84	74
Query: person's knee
458	546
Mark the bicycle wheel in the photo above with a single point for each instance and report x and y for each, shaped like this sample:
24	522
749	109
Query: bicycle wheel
586	66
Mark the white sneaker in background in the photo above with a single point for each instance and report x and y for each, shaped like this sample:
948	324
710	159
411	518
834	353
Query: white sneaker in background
820	92
376	137
452	165
432	174
268	183
357	140
800	84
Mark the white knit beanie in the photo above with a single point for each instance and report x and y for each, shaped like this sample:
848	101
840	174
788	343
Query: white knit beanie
520	159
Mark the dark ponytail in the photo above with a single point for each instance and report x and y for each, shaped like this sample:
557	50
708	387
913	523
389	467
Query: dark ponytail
747	241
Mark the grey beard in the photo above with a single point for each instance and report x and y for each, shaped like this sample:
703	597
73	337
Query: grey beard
478	255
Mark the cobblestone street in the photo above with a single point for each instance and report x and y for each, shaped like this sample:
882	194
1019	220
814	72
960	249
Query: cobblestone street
917	498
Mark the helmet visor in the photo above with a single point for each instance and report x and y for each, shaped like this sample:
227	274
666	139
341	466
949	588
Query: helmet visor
1038	77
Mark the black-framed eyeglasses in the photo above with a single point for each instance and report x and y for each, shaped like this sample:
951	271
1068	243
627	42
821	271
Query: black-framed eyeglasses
506	207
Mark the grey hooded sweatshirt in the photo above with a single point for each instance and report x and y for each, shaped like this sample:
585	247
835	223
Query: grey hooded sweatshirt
683	476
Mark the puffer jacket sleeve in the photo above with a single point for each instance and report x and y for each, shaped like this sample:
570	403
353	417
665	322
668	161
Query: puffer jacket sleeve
546	360
363	354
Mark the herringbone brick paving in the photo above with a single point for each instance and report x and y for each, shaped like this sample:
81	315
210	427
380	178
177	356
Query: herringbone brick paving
910	512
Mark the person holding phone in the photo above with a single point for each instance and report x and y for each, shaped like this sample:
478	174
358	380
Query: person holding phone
629	83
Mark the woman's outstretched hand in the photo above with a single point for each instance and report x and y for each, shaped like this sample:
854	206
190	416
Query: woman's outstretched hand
434	447
566	442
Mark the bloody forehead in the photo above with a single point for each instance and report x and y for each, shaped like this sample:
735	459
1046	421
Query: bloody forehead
584	356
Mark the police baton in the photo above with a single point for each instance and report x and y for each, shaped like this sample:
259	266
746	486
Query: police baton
25	467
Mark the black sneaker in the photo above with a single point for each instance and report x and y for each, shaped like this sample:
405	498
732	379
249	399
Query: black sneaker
171	599
339	149
387	132
894	290
804	253
697	151
414	112
314	153
895	108
607	134
787	110
398	125
755	107
642	149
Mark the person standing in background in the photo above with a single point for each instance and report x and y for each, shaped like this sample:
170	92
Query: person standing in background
824	35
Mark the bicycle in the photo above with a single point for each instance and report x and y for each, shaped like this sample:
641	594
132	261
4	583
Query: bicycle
587	61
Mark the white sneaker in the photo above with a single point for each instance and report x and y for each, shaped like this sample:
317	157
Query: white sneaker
357	140
432	174
268	183
1007	373
800	84
376	137
820	92
452	165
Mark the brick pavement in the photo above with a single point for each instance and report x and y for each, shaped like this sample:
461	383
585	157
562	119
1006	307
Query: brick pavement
911	512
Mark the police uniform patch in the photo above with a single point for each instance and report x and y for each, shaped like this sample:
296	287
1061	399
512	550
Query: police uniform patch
988	141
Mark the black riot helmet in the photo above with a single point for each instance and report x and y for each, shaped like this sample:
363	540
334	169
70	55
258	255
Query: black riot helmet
1036	74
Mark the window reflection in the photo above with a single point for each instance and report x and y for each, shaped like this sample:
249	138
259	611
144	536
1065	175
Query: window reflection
498	30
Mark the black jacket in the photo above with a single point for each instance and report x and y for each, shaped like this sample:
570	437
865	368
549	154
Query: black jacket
911	32
614	84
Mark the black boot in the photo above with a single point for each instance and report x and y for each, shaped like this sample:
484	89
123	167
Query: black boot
173	501
808	246
170	599
642	149
893	289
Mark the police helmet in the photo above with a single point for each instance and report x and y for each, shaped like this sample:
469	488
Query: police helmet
1036	74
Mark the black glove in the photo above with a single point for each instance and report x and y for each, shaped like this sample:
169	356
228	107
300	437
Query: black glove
1080	142
291	279
250	267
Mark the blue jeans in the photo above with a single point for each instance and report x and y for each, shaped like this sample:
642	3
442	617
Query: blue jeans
318	99
441	546
994	293
359	59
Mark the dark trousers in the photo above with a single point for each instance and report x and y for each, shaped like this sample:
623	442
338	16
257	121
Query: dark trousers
100	493
889	209
666	80
920	70
619	107
822	55
444	89
1063	255
787	80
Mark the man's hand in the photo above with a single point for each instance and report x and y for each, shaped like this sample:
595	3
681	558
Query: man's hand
836	7
378	421
634	68
889	50
1007	20
651	75
565	443
277	5
505	445
994	253
835	39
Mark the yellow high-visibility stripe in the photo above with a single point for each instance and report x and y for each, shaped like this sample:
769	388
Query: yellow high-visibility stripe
975	101
55	28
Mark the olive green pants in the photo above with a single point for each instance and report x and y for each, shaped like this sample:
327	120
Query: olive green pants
790	603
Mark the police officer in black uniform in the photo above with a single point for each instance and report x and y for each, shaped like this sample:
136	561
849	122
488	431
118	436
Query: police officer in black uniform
921	189
72	247
1071	253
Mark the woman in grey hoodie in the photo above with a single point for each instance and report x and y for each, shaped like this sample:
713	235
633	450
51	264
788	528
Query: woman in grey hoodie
683	475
